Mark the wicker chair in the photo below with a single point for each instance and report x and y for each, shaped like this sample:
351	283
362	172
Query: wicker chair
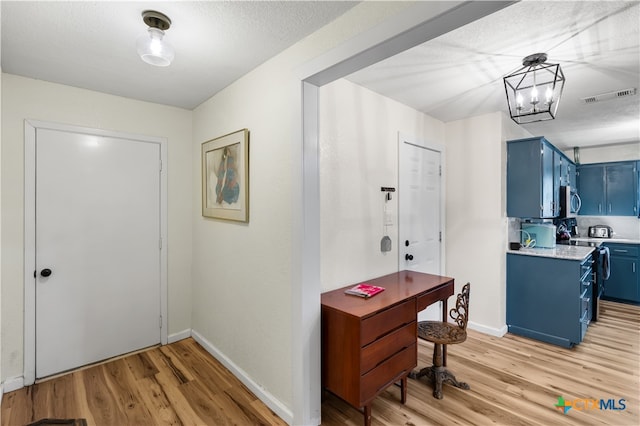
442	334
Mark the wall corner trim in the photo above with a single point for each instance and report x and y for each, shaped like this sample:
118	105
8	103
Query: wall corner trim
12	383
174	337
271	401
497	332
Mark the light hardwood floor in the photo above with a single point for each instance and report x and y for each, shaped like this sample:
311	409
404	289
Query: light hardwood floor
517	381
170	385
514	381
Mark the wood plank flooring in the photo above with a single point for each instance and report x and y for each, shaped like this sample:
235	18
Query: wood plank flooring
517	381
514	381
177	384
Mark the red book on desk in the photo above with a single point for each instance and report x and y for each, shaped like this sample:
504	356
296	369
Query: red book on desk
364	290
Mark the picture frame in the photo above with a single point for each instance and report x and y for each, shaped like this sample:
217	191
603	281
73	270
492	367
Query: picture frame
225	177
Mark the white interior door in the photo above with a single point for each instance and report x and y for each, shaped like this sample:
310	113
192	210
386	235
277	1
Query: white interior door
419	211
98	233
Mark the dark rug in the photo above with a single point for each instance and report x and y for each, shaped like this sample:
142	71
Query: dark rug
58	422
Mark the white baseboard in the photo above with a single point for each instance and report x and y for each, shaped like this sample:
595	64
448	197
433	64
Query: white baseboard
271	401
13	383
179	335
497	332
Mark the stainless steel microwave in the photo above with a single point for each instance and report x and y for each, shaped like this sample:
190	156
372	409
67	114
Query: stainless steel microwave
570	202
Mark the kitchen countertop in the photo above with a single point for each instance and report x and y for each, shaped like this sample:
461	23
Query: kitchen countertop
560	252
608	240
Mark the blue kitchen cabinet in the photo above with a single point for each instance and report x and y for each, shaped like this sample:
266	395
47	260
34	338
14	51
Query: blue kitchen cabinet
533	178
624	281
609	189
549	299
622	191
591	189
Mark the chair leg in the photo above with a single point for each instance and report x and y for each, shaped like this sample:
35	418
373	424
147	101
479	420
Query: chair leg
437	374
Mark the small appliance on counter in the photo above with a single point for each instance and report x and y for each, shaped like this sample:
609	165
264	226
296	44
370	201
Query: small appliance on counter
600	231
543	235
564	225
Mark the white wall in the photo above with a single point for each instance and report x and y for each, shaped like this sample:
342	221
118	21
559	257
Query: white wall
1	338
242	293
601	154
243	273
358	155
476	224
24	98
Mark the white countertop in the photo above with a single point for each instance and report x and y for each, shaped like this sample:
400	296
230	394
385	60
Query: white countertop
608	240
560	252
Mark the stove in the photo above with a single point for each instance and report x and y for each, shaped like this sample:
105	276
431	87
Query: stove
600	270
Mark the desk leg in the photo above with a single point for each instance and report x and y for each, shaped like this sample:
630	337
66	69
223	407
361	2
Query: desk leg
403	389
444	319
367	414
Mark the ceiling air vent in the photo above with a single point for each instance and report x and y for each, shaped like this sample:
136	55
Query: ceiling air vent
609	96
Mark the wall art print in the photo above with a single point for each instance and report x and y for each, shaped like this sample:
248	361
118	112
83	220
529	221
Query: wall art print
225	177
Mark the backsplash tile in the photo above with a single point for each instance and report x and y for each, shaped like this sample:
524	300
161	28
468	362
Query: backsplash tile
623	226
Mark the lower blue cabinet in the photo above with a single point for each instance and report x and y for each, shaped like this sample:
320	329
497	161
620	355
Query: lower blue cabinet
549	299
624	282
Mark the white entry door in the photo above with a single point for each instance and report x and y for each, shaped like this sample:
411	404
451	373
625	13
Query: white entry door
419	211
97	254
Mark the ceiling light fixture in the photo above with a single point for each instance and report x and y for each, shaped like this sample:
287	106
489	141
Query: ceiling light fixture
534	91
151	48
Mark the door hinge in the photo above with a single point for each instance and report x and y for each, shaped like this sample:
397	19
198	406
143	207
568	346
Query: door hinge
160	321
160	165
160	243
439	170
440	236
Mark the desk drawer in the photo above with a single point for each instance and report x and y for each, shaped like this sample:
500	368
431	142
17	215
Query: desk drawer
433	296
385	321
381	349
384	374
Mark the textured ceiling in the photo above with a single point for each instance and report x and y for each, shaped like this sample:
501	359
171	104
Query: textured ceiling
459	74
92	45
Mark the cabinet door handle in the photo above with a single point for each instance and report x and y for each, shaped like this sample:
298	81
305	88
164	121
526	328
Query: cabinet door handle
634	267
599	207
609	207
620	250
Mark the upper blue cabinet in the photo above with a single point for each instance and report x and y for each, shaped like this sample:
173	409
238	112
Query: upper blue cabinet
609	189
535	171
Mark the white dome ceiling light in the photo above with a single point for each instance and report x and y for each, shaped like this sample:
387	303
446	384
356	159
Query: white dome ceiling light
152	48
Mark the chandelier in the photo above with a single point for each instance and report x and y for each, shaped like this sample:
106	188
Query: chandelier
534	91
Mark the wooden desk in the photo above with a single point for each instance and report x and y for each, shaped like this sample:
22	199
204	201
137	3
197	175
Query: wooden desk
370	344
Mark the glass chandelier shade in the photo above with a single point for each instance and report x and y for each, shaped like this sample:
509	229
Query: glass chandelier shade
153	50
534	91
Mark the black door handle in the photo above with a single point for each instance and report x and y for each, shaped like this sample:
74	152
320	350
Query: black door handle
408	257
45	272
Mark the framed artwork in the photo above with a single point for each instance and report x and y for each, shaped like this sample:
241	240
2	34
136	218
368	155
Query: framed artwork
225	177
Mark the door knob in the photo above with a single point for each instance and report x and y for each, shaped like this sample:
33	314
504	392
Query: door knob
45	272
408	257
